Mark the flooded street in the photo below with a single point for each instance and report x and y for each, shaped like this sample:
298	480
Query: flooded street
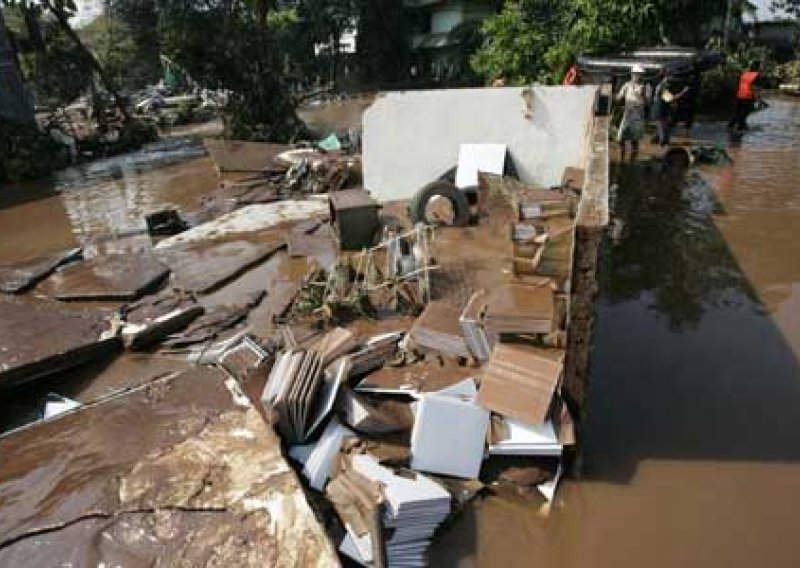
691	453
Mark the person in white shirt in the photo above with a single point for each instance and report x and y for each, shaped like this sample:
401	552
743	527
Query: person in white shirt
634	95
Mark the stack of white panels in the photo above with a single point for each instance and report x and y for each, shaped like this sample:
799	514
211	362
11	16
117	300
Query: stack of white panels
318	458
415	507
527	440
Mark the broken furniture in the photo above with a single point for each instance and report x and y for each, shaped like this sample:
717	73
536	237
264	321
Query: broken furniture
354	216
473	326
203	267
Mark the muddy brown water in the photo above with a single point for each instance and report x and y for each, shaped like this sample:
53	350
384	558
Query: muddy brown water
691	454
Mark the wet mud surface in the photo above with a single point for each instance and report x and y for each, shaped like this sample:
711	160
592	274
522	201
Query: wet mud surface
182	471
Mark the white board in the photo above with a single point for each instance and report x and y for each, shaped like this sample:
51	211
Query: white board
474	158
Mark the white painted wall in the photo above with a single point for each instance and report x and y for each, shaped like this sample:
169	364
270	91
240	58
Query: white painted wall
411	138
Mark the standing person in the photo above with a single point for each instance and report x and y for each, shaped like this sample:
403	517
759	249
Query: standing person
663	102
687	105
747	94
635	95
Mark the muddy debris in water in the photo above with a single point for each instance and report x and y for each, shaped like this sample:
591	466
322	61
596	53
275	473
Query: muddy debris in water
236	156
152	318
21	277
115	277
201	268
217	322
159	478
40	338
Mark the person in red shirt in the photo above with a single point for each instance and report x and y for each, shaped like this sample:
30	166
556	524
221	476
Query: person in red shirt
748	94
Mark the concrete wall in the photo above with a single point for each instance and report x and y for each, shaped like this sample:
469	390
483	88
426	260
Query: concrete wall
411	138
590	223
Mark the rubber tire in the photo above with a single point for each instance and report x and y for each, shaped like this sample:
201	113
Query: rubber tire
446	189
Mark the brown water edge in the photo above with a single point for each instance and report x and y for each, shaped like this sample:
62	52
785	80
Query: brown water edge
692	452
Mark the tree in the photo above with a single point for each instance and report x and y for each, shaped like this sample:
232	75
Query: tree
60	11
791	7
235	46
323	23
383	52
518	39
538	39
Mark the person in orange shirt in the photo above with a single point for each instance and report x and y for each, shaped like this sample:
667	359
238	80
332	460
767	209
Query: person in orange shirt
747	95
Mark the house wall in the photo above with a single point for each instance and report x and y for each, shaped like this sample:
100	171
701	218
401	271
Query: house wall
411	138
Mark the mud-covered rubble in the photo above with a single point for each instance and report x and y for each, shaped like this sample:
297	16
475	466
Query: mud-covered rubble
360	348
22	277
181	471
40	338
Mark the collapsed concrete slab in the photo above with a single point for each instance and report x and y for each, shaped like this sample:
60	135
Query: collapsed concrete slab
17	278
203	267
44	338
543	128
109	277
154	317
182	471
250	219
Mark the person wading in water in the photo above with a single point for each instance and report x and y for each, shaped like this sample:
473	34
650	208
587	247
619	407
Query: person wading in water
635	95
748	95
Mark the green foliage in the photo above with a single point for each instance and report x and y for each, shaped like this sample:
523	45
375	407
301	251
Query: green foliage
235	47
719	88
791	7
55	69
383	50
789	72
518	39
27	153
537	40
125	42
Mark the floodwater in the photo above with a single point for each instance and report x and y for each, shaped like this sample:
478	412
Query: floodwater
692	450
692	454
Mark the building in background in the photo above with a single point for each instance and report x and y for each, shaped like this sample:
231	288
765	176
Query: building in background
87	11
439	31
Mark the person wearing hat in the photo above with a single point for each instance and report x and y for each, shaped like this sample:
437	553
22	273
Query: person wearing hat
663	102
634	95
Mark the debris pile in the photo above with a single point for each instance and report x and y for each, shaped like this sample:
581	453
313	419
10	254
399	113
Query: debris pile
368	416
405	370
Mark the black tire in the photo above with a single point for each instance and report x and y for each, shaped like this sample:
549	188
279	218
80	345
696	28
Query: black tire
457	198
